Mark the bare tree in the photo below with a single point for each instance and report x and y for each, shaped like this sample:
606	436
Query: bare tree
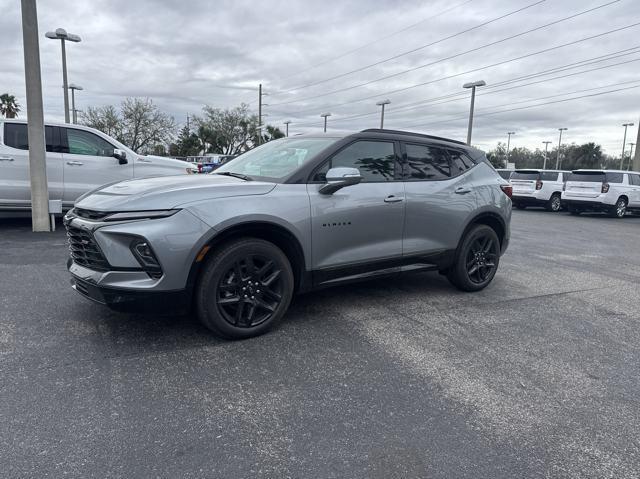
231	131
104	118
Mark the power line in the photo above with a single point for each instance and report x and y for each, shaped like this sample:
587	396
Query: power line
422	47
510	37
473	70
378	40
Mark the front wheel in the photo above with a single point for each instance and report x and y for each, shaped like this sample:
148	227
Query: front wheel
244	289
620	208
477	259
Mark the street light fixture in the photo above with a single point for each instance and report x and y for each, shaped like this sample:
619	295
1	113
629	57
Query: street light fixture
624	143
509	133
286	124
73	87
325	115
473	86
62	35
546	147
559	144
382	104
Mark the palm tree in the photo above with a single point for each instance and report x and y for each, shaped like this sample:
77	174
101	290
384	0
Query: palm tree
9	106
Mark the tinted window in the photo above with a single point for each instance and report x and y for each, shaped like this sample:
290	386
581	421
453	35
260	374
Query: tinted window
525	175
459	162
635	180
374	159
506	174
16	136
82	142
427	163
614	177
589	177
549	175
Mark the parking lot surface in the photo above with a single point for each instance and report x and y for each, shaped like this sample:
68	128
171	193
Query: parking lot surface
536	376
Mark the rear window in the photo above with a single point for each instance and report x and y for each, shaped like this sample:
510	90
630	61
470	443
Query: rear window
549	176
525	175
588	177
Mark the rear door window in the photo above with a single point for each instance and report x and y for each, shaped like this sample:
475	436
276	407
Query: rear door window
16	135
525	175
587	177
634	180
427	163
459	162
615	177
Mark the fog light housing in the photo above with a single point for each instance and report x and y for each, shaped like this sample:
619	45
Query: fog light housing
146	257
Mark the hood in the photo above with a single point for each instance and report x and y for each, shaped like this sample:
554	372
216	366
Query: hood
165	192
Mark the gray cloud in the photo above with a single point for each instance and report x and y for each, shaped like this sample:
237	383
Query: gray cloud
187	54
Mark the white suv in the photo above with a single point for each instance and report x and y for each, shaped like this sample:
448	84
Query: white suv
610	191
79	159
538	188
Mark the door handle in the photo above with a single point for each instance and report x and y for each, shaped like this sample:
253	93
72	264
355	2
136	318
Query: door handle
5	158
75	163
393	199
462	190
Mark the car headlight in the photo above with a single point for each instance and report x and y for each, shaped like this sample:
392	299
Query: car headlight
140	215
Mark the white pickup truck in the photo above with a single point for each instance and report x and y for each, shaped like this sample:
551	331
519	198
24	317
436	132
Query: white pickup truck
79	159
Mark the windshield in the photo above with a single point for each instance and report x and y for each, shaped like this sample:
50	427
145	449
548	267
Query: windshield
276	159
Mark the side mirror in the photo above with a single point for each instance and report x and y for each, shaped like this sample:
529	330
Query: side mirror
339	178
121	156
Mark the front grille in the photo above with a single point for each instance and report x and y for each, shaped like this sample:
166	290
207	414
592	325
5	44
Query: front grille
89	214
85	251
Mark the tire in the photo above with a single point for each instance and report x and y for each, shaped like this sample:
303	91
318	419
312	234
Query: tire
620	208
573	210
554	204
480	248
250	306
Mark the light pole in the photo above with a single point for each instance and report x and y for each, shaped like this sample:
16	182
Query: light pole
62	35
73	87
624	143
546	147
559	143
325	115
630	156
509	133
473	86
286	125
382	104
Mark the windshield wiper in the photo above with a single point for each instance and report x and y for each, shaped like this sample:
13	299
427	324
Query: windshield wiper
235	175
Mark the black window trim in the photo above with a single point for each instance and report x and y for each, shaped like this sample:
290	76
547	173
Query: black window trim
447	149
56	144
397	164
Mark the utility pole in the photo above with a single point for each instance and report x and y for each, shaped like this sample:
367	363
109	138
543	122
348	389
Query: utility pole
35	118
286	125
473	86
630	156
382	104
325	115
559	144
636	159
509	133
259	113
546	147
624	143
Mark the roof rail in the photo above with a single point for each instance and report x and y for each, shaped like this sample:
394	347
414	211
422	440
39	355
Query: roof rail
409	133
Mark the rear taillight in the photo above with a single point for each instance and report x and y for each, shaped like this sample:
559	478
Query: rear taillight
507	190
538	185
199	167
605	187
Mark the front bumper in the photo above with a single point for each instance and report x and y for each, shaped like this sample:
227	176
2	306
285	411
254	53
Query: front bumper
165	302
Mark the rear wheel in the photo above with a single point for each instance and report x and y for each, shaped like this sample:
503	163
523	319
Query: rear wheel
477	259
620	208
245	289
554	204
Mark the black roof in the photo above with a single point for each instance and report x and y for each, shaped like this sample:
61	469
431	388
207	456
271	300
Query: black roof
410	133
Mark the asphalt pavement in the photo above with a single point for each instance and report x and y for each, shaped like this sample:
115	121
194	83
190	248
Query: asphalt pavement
536	376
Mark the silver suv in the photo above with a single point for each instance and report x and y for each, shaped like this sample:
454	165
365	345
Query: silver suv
290	216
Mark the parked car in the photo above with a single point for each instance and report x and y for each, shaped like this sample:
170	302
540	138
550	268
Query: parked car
506	174
610	191
538	188
292	215
79	159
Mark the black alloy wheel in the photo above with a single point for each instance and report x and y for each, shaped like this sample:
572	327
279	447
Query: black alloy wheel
481	258
477	259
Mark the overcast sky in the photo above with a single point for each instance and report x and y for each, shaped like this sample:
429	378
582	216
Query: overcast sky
185	54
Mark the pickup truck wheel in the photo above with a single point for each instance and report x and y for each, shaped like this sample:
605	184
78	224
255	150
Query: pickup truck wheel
477	259
245	289
554	204
620	208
